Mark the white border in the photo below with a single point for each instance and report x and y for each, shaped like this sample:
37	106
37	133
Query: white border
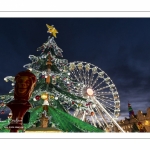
36	135
75	5
72	14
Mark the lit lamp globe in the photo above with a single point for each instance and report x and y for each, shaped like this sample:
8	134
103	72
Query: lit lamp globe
44	96
90	92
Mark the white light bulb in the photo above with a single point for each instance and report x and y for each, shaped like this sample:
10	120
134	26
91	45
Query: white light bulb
34	99
13	84
93	105
10	113
30	69
56	98
5	80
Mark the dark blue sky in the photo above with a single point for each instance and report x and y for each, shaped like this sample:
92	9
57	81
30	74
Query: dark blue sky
119	46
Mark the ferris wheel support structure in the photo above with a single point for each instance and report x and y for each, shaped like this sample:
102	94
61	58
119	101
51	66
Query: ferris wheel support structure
102	108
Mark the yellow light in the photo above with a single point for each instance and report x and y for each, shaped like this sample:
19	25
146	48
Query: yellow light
80	105
146	122
52	96
44	96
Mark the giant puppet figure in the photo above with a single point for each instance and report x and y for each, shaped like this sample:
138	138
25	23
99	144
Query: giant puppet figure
24	86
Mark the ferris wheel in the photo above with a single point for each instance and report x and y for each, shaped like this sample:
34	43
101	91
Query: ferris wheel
102	99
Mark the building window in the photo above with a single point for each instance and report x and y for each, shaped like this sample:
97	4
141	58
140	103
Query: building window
146	122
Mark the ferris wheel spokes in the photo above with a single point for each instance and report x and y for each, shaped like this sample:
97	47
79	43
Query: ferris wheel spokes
97	88
108	114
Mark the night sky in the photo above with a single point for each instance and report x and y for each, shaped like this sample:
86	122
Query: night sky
119	46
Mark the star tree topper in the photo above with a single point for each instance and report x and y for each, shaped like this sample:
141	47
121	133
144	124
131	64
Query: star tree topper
52	30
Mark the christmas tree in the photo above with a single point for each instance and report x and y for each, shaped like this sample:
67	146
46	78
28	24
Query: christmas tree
131	112
54	95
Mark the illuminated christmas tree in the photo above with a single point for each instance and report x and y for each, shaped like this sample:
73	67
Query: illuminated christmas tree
53	95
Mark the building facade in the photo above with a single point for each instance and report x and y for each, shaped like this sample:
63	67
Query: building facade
135	123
